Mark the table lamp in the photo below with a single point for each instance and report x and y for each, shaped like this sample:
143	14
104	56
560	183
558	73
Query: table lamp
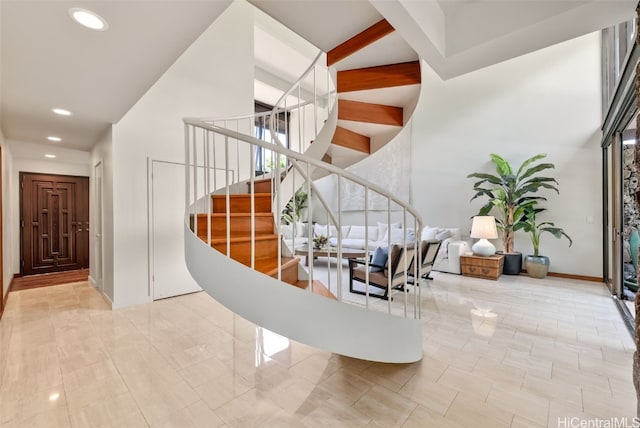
484	227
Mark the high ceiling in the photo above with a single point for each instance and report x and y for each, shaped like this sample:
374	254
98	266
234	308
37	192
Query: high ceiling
47	60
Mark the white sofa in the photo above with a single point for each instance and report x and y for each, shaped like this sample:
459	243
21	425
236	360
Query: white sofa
354	237
447	260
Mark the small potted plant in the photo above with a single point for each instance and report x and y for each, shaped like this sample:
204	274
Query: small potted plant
538	266
320	241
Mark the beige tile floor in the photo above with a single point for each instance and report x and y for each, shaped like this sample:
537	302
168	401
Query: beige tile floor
513	353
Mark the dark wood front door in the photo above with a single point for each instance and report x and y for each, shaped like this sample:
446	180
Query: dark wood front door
55	223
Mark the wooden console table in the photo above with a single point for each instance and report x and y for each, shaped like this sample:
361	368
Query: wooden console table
482	267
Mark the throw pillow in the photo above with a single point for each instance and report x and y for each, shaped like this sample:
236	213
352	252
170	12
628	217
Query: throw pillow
411	235
383	228
398	236
358	232
442	235
380	256
287	231
301	229
429	233
321	229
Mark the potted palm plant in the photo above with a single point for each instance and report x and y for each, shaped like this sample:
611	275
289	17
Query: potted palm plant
538	266
509	195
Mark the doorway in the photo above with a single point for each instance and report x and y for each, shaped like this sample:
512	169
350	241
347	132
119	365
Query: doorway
54	223
97	227
1	242
169	274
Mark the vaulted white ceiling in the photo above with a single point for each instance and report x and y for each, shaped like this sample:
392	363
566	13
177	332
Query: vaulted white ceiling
48	61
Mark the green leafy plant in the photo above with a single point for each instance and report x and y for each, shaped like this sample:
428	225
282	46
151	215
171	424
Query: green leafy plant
535	230
510	193
293	209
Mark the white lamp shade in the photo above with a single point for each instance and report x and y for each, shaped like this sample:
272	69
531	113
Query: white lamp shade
484	226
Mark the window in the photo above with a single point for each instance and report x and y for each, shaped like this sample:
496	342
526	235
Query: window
617	43
265	158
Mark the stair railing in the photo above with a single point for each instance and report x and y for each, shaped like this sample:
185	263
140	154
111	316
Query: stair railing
317	83
220	160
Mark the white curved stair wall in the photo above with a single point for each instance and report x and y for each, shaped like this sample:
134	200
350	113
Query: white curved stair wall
300	315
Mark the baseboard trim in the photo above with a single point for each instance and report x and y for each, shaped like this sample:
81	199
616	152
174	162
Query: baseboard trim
5	298
572	276
106	299
94	284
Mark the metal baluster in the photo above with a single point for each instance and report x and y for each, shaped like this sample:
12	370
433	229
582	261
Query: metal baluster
366	244
227	195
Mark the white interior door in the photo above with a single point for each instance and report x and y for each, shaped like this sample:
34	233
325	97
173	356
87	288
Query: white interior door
97	227
170	276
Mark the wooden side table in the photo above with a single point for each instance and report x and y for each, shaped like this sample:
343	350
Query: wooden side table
482	266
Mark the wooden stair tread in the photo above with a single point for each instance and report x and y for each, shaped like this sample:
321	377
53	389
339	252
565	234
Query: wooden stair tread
317	288
239	239
241	202
270	266
380	76
352	140
236	215
240	195
359	41
370	113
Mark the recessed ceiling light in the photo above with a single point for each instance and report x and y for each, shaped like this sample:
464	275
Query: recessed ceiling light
50	156
88	18
52	138
61	111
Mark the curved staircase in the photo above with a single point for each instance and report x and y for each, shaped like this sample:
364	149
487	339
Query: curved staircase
238	213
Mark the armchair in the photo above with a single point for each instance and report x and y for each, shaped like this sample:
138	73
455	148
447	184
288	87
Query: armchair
395	268
428	252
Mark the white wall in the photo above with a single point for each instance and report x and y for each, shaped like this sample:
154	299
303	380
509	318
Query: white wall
213	78
80	167
102	153
8	229
544	102
389	168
